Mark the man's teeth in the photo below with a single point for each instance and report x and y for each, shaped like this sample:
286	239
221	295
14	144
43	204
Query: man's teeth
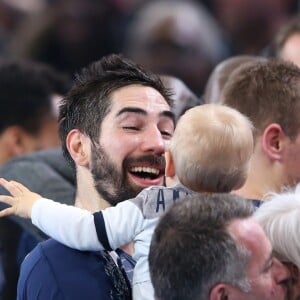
145	170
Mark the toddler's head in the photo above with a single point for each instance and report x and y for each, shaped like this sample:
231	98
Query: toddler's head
211	148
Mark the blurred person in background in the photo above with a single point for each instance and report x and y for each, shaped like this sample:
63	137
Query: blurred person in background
287	42
13	13
221	74
30	94
250	25
178	38
69	34
183	97
268	93
10	18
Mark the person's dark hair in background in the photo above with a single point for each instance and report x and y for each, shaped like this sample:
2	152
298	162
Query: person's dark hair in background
28	108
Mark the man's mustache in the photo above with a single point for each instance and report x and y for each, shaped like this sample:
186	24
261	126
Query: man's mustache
151	160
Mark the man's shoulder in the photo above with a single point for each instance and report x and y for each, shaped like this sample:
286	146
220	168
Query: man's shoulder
70	273
61	258
47	255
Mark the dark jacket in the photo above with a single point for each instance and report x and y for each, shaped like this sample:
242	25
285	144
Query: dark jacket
47	173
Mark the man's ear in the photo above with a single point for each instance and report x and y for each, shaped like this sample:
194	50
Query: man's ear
170	167
273	141
220	292
78	146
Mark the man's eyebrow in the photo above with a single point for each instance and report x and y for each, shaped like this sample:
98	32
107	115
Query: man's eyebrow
137	110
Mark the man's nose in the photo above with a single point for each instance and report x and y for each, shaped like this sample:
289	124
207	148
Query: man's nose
153	141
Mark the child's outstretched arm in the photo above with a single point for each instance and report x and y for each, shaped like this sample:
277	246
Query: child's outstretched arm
21	199
69	225
72	226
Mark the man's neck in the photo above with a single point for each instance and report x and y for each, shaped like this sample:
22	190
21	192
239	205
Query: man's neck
263	178
251	191
88	198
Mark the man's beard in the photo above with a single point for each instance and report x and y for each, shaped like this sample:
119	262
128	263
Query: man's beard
111	184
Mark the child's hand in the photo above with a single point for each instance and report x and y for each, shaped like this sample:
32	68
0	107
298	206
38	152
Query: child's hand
21	199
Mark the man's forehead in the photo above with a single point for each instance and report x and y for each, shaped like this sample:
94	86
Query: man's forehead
249	233
246	230
138	97
137	93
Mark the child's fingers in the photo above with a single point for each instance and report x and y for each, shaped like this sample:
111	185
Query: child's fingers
3	182
20	187
7	199
15	188
7	212
12	188
7	185
21	199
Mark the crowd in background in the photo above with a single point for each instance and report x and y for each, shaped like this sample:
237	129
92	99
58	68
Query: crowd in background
184	39
193	45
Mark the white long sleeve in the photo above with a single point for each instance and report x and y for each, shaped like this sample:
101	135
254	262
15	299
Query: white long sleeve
71	226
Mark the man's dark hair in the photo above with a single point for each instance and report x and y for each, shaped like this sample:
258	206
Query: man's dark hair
192	251
26	89
266	92
89	100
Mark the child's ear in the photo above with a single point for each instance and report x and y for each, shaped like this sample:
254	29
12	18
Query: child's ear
170	167
78	147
